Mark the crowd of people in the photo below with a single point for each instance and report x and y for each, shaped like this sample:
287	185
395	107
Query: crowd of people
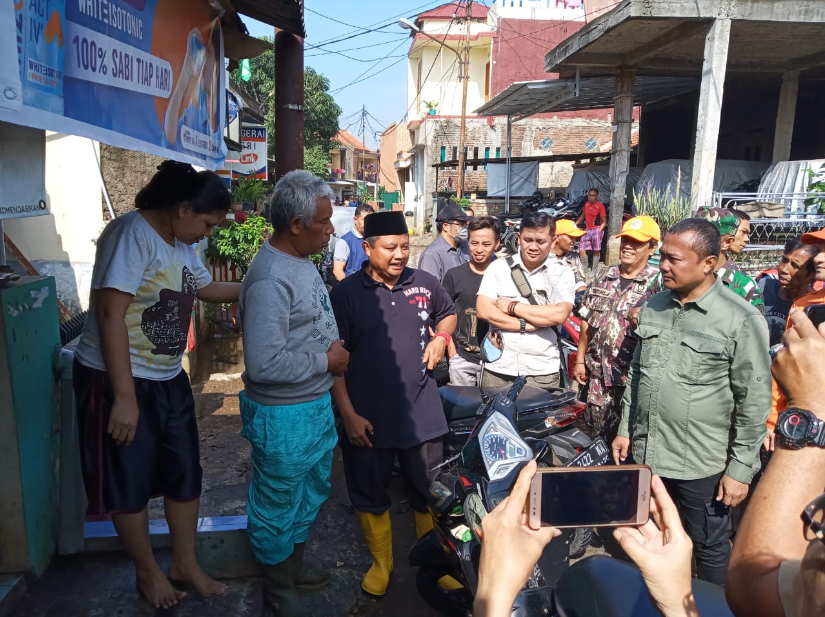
674	364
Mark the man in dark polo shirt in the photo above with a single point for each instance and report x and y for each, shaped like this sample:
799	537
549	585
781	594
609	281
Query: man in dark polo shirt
396	323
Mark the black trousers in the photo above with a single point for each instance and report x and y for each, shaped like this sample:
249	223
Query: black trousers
368	472
708	523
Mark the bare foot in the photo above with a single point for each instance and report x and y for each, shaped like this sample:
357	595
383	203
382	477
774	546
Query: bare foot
157	589
204	584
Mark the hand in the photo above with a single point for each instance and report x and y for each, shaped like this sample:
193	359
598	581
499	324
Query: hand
797	367
662	550
123	419
633	316
580	373
731	492
434	352
769	442
337	359
357	428
509	549
621	448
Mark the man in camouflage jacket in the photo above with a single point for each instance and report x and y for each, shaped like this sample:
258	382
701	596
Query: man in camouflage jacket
735	228
606	343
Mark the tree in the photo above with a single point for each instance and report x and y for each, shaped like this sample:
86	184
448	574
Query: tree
321	112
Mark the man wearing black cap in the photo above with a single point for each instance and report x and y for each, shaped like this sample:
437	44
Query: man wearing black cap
396	323
450	248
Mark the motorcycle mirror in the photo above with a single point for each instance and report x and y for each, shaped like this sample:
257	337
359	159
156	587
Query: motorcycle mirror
492	347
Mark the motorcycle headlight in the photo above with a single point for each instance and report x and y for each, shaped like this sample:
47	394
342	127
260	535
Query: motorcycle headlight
502	447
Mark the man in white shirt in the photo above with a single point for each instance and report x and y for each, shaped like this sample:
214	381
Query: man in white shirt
527	317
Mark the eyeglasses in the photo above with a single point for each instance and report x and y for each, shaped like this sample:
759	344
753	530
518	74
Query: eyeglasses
814	518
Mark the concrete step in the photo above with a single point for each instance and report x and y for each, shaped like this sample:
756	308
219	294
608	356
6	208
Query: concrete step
12	589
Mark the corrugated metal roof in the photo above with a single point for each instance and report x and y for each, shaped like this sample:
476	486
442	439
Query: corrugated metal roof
284	14
457	9
526	98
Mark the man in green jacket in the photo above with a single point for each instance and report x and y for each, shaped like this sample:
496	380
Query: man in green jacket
702	353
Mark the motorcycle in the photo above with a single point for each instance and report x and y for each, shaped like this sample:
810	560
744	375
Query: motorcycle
562	208
492	435
551	415
477	479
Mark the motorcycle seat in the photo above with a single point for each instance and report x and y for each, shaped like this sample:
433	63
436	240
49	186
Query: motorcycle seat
607	587
462	402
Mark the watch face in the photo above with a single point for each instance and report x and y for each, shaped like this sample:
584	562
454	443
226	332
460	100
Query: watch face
795	426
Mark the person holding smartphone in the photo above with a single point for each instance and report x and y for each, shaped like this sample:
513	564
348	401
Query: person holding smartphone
778	400
511	548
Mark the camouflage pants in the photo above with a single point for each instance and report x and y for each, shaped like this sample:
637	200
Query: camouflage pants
604	410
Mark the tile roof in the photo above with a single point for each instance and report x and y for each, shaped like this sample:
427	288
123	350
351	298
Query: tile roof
348	139
459	9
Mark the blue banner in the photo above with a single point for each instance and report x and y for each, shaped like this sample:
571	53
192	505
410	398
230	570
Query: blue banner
145	75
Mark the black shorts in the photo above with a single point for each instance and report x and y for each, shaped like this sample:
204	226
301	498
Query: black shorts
368	472
163	459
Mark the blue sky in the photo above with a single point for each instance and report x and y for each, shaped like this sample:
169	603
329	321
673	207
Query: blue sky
383	85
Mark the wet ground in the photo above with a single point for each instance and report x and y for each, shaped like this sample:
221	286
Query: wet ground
102	584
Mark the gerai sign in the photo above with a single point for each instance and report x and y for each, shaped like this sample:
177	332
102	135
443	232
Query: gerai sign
252	160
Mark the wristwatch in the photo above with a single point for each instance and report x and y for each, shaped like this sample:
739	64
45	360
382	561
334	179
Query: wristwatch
797	428
522	326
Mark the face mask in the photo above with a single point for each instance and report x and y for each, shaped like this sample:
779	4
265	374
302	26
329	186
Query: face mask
463	233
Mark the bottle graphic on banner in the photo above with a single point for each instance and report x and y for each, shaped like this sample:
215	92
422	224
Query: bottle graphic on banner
41	24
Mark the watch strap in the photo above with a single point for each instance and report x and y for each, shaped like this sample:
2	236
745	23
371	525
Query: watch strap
522	326
818	428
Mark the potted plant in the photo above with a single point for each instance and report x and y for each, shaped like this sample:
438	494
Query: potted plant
666	208
248	191
431	107
237	243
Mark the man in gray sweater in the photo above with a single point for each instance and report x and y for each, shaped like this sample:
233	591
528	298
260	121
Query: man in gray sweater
292	354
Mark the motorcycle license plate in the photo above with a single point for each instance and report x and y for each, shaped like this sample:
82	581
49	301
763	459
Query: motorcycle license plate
597	454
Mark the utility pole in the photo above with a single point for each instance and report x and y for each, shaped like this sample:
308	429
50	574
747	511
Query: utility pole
363	142
464	65
289	102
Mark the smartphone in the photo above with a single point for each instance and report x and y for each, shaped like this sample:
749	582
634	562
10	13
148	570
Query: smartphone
816	313
590	496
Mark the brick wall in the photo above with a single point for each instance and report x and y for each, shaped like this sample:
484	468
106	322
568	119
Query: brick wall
530	137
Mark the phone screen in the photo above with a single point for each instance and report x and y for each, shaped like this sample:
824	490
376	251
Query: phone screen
591	498
816	313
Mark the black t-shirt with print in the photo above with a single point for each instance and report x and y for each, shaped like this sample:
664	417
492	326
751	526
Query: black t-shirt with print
462	286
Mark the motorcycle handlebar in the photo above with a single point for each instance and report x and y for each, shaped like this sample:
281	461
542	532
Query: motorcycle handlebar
515	389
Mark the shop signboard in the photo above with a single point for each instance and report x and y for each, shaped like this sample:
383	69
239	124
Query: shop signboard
145	75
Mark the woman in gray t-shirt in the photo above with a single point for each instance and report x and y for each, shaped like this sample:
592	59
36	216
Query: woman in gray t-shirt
136	413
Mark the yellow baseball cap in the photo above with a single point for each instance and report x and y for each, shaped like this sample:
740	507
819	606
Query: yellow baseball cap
567	227
641	228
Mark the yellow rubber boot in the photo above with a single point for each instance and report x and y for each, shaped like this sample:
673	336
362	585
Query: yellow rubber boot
423	524
378	534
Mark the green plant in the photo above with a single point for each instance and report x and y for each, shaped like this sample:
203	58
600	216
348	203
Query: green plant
366	194
462	202
238	243
666	207
430	104
816	184
249	190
